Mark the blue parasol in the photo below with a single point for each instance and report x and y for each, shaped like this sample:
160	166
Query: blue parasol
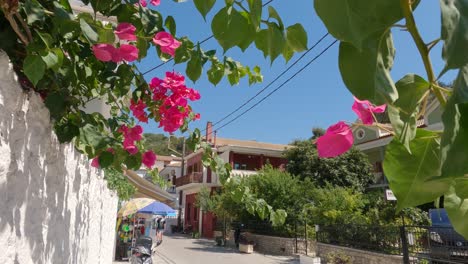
158	208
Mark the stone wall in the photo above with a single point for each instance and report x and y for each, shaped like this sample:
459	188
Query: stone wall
279	245
358	256
54	208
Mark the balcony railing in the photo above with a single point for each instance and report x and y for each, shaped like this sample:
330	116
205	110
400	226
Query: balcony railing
194	177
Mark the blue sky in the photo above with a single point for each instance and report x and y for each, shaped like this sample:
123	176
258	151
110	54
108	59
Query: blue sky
315	98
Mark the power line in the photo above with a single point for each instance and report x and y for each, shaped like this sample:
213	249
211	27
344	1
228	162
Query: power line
279	87
203	41
271	83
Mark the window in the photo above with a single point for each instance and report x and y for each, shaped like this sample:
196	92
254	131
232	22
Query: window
244	167
360	133
236	166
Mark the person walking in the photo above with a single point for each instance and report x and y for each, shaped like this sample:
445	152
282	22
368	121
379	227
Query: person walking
160	226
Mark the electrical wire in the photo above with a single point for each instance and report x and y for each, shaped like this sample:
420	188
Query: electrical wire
271	83
279	87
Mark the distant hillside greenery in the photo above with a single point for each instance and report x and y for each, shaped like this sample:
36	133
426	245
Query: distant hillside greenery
158	144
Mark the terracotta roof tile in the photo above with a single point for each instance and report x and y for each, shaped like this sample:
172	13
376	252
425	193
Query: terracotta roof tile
250	144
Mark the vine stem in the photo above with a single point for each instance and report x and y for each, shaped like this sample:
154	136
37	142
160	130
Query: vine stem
16	28
422	48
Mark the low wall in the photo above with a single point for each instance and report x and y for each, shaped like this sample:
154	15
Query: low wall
54	207
358	256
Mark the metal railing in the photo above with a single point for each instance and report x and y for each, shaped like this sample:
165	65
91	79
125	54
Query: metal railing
194	177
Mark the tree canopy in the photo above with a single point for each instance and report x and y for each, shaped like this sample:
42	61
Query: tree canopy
351	169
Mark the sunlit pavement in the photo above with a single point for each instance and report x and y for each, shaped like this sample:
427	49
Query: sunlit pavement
183	250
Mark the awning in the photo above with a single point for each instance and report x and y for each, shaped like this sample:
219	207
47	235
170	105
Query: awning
146	189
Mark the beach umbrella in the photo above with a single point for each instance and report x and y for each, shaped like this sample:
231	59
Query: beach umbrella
133	206
158	208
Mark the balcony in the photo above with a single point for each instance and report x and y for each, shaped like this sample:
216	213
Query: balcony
194	177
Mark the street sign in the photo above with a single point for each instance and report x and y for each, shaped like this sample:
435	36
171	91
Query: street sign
389	195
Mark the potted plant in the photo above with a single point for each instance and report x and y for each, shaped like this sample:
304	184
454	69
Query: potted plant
245	245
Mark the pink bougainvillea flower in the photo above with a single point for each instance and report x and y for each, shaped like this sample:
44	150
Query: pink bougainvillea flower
155	2
104	52
95	162
166	42
364	110
148	158
337	140
143	3
135	133
138	110
129	146
194	95
128	52
126	31
196	117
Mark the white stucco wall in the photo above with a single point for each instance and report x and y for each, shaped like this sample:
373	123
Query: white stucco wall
54	208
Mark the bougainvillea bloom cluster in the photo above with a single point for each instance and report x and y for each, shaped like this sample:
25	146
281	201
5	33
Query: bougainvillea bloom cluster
144	3
173	95
339	137
125	52
138	110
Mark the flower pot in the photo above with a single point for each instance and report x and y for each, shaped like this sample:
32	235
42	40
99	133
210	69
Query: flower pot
246	248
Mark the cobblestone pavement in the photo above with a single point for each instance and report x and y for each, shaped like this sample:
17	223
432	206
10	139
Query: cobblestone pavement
184	250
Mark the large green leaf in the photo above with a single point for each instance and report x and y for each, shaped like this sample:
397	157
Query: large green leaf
454	32
403	113
273	14
457	210
297	37
271	41
455	137
366	72
255	7
91	135
216	72
249	33
170	24
204	6
194	66
413	177
89	32
228	27
34	68
354	21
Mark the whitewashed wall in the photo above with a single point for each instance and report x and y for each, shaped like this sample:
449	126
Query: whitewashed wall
54	207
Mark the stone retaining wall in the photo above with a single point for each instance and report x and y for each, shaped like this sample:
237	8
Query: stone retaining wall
358	256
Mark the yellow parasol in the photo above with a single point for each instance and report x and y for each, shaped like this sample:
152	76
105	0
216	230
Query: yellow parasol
133	206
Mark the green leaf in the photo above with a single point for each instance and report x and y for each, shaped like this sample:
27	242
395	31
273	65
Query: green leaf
133	162
413	177
66	131
56	104
51	60
34	68
106	159
92	136
194	66
278	217
297	37
88	31
461	187
216	72
354	21
142	44
228	27
457	210
34	11
288	52
273	14
256	8
182	54
366	72
106	35
403	113
454	28
271	41
204	6
171	25
249	33
454	138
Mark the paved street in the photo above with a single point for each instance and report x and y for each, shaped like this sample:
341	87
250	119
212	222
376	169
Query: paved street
183	250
